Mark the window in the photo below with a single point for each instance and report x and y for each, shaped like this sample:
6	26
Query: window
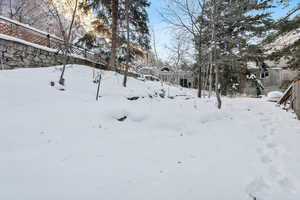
264	74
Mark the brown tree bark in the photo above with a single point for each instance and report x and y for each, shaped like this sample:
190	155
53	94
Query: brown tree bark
115	11
67	44
128	42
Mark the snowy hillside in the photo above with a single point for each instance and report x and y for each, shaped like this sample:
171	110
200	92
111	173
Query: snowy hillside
65	145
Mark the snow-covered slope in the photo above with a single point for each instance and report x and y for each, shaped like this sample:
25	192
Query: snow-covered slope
64	145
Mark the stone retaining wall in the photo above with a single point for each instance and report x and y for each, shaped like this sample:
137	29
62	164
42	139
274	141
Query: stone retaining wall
15	54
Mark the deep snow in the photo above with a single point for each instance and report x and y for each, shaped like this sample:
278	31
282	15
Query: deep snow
64	145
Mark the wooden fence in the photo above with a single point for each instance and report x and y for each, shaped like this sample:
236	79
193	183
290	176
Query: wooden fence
291	97
295	98
32	35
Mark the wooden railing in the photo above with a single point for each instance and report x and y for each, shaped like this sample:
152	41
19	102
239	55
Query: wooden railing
292	97
24	32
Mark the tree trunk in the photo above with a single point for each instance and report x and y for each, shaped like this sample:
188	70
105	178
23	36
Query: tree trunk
128	43
200	80
210	78
115	11
218	88
67	45
214	57
206	77
61	79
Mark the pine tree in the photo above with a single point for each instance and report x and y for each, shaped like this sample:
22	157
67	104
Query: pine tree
231	26
289	52
136	32
113	13
108	12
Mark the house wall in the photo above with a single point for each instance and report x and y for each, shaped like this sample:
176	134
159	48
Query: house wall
288	75
273	82
278	76
273	79
176	77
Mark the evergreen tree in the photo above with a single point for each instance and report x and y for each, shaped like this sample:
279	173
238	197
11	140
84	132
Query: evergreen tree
286	27
108	12
134	31
231	28
113	13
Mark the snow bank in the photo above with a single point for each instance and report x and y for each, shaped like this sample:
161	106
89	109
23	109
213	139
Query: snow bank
274	96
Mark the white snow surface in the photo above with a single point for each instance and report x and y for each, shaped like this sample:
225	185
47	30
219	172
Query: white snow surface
274	96
65	145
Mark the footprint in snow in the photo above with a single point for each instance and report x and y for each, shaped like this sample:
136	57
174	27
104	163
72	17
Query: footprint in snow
257	188
259	150
265	120
272	131
273	172
266	159
286	183
271	145
263	137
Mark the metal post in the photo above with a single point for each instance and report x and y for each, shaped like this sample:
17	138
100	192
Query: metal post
99	82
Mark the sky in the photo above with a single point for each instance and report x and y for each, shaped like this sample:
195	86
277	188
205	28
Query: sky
162	31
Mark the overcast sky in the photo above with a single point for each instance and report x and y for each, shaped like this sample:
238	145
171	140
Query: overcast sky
163	35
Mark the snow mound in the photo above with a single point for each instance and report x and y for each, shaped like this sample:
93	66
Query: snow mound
274	96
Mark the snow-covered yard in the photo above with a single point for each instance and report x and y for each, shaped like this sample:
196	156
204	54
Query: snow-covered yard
60	145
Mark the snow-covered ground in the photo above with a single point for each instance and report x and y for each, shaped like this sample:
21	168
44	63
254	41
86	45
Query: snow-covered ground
64	145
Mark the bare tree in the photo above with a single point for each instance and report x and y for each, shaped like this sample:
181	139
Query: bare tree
180	50
154	44
22	10
185	15
66	28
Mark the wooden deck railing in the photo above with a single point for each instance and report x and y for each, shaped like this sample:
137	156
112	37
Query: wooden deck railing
33	35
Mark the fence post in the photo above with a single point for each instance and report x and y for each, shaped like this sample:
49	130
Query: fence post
296	92
48	39
17	32
2	60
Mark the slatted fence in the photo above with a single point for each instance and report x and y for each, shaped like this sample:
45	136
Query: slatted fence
295	98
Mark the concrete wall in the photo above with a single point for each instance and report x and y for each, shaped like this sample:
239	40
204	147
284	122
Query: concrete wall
19	55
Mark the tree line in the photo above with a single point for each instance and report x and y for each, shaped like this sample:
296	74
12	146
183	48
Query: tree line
227	34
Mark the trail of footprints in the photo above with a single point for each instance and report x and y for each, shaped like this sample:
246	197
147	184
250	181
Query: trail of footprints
270	154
